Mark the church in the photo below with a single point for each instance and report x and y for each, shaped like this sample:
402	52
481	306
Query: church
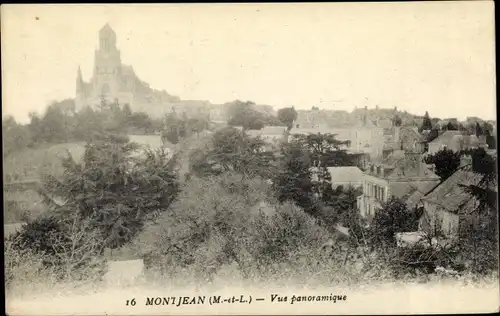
116	82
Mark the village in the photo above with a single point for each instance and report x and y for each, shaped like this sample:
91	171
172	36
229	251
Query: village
340	172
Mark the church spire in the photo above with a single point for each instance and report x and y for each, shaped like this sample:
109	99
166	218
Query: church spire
79	80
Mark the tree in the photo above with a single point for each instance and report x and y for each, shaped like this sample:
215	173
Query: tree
230	150
140	121
15	136
445	161
127	111
450	126
172	125
88	122
324	149
478	130
113	188
245	114
393	217
396	120
217	221
479	233
426	123
287	116
293	181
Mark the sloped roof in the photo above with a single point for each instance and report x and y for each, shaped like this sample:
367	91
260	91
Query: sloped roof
417	192
346	174
450	195
106	29
340	133
409	166
445	138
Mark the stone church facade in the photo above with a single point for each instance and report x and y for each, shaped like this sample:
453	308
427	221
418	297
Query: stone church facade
114	81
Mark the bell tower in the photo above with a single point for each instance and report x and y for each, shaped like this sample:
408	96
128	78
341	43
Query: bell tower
107	65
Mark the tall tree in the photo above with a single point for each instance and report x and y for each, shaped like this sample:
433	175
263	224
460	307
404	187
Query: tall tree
245	114
230	150
478	130
426	123
393	217
287	116
293	181
446	162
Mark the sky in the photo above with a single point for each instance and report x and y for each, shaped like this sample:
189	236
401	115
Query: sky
421	56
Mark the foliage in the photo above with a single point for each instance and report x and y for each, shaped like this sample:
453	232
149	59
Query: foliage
245	114
450	126
338	203
446	162
15	136
325	149
293	181
287	116
40	235
230	150
393	217
216	221
65	246
117	187
397	121
426	123
177	128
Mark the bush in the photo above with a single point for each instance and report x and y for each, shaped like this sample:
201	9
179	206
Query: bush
117	187
65	250
217	221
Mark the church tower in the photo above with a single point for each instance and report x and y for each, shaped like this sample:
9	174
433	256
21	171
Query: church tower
107	65
81	94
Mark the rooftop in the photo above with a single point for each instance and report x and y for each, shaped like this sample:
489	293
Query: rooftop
450	194
446	137
346	174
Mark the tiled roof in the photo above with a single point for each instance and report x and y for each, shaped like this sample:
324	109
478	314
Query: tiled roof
446	137
340	133
417	192
450	194
346	174
411	165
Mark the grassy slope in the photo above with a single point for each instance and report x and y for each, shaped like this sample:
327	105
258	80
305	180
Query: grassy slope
32	162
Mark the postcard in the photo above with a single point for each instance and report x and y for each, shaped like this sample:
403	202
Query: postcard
264	158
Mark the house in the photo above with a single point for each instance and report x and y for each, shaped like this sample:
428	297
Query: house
455	141
346	176
364	139
269	133
445	206
399	175
272	135
405	138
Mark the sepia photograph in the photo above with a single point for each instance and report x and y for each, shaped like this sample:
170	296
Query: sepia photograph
264	158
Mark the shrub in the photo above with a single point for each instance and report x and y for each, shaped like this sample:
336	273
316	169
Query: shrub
117	187
217	221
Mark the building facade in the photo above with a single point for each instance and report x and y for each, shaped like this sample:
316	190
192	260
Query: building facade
444	207
400	175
